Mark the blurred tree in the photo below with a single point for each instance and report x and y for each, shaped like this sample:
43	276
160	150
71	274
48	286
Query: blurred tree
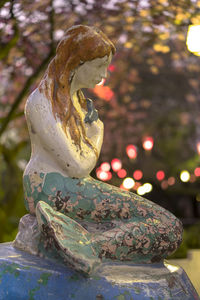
152	88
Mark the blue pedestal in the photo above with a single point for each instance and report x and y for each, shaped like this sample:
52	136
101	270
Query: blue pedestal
27	277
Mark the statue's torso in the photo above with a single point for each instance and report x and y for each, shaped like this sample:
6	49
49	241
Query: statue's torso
45	156
41	159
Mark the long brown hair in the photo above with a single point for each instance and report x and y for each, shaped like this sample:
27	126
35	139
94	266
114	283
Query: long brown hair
79	44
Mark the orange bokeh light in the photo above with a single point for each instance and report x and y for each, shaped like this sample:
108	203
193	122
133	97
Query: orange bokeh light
137	175
122	173
137	185
103	92
198	148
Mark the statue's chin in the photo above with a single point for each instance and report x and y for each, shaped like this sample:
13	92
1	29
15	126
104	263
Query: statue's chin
91	85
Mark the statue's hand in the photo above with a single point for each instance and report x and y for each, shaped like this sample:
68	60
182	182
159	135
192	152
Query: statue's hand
92	114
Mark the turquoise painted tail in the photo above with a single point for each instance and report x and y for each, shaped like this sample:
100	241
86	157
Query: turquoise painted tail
72	241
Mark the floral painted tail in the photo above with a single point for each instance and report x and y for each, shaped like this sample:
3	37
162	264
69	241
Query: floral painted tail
67	237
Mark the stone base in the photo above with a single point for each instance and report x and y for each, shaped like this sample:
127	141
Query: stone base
27	277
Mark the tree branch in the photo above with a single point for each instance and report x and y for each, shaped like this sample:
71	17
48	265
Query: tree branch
5	48
21	95
31	79
51	21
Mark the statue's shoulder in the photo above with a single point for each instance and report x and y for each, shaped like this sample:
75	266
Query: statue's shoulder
35	97
36	102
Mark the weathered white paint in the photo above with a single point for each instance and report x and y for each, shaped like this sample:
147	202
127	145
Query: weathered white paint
52	150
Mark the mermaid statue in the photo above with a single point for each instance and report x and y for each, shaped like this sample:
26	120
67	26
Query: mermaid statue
72	216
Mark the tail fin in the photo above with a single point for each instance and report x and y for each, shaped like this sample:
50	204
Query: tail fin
73	242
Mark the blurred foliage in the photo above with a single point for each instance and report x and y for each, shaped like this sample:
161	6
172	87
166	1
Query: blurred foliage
193	237
152	88
182	250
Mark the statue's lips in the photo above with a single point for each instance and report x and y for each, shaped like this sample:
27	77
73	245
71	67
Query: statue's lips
100	81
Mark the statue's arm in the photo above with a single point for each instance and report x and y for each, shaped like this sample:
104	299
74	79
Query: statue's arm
95	134
75	161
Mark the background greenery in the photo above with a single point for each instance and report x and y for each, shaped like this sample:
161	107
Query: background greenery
152	90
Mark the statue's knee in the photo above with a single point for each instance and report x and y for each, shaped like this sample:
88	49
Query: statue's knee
170	236
177	231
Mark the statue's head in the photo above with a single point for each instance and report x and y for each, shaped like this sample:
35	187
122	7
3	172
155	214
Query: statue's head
79	45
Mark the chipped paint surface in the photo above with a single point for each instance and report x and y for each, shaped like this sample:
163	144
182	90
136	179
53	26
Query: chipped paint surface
84	221
135	229
86	224
28	277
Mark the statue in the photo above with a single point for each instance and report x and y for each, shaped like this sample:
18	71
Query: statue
82	238
80	220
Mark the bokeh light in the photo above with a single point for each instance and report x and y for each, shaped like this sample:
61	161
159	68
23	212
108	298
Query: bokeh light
148	143
128	183
131	151
198	148
116	164
147	187
185	176
192	178
193	41
123	188
160	175
122	173
103	92
105	166
137	175
141	190
109	175
102	175
164	184
171	180
197	172
136	186
111	68
198	197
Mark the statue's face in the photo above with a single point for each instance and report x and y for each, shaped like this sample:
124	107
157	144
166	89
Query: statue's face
92	72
